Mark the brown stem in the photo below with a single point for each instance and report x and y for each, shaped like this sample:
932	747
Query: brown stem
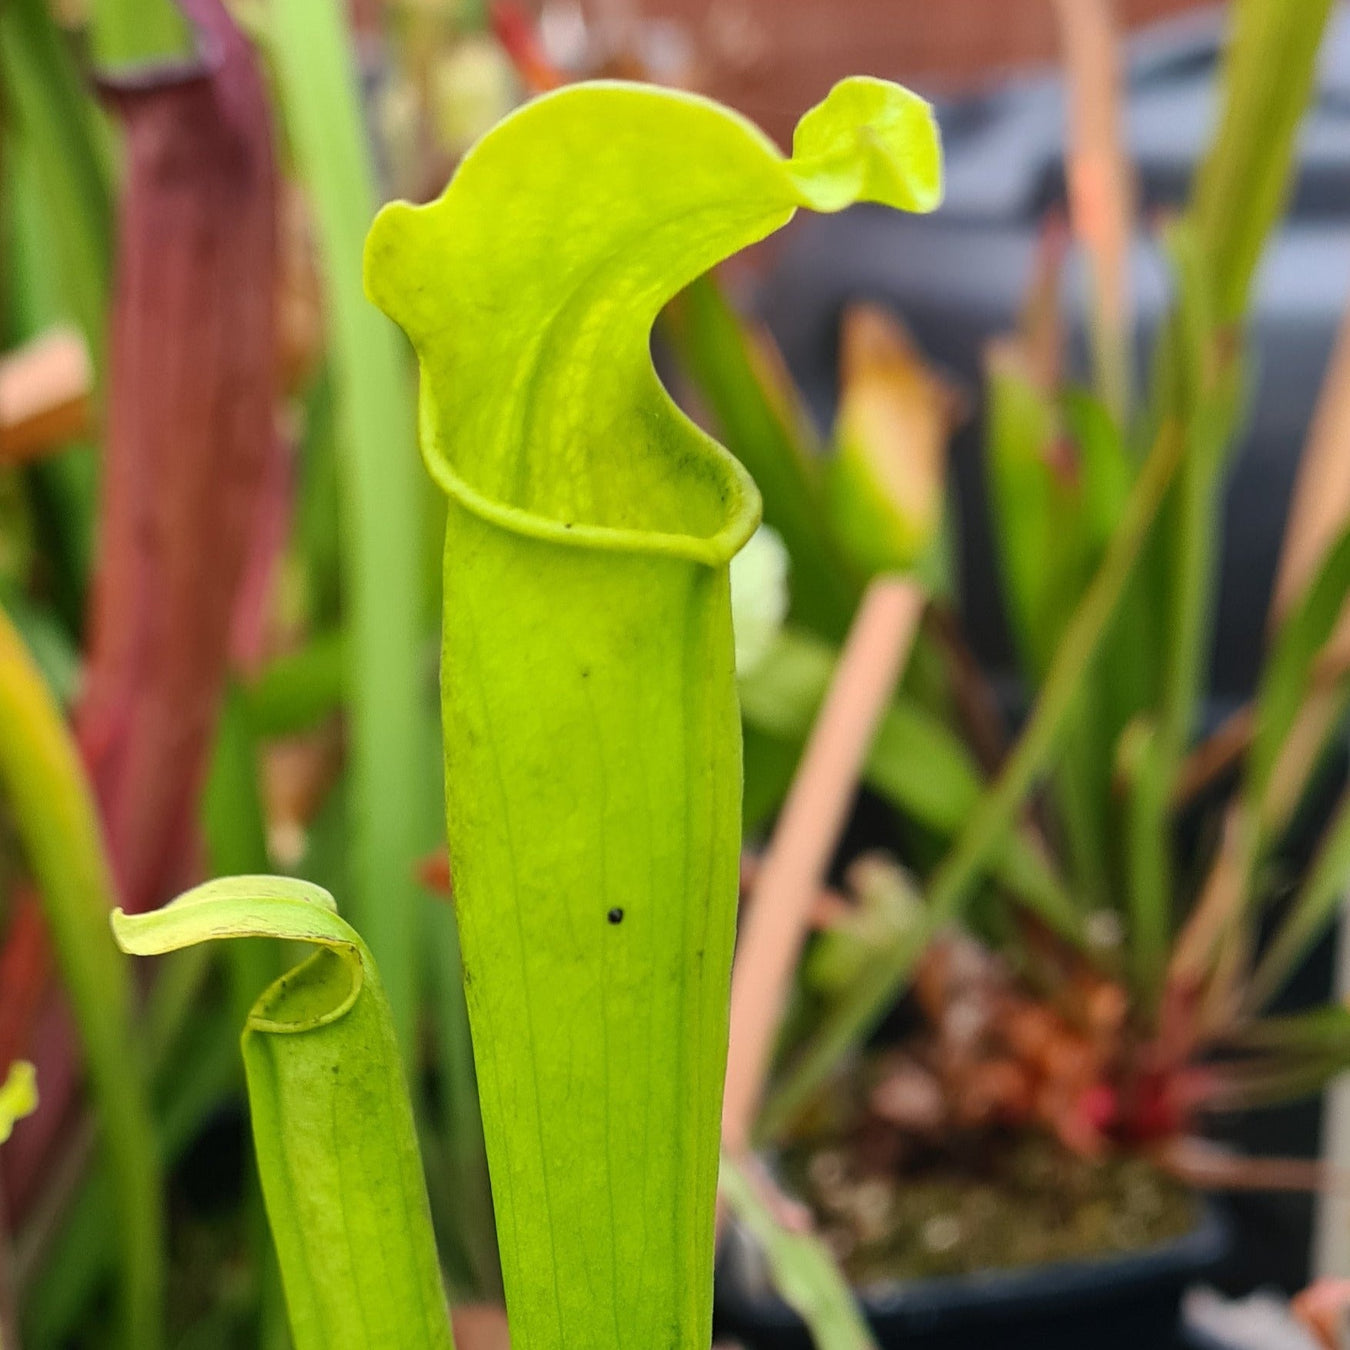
1321	500
977	706
61	1184
45	396
1203	1164
9	1322
1214	756
1101	186
480	1326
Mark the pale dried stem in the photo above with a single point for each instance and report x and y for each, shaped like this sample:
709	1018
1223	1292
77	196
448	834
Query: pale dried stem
61	1184
1193	954
480	1326
1320	505
1214	756
1209	1166
813	815
46	389
9	1324
1319	511
1039	343
1100	180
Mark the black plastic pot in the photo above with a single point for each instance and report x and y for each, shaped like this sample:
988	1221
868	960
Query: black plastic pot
1117	1303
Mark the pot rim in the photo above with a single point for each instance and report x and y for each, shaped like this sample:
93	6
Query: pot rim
980	1295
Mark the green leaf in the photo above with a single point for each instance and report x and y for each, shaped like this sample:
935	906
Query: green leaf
916	762
759	597
1200	370
126	35
1267	79
1312	910
589	699
739	375
887	906
234	829
802	1268
57	124
332	1124
462	1207
1036	516
60	235
393	790
1208	398
54	812
18	1096
988	824
1124	677
1284	1058
193	1084
1148	866
297	690
885	481
1268	75
1314	1032
768	769
1289	669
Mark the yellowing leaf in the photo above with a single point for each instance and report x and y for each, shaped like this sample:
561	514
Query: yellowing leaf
18	1096
886	481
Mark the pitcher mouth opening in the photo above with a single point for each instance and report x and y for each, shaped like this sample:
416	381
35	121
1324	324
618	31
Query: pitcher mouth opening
731	496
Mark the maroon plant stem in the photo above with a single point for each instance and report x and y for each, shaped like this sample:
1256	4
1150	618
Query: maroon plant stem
9	1329
190	429
190	432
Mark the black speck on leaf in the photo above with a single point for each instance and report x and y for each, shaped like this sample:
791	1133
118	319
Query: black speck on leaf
615	915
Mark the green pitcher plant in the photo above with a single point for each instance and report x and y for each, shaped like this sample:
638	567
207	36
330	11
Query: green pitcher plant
332	1122
591	727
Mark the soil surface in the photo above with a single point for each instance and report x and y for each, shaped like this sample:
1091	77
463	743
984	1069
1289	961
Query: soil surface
1027	1202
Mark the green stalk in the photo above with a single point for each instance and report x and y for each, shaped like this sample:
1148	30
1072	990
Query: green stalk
129	33
58	125
992	818
194	1066
60	225
58	824
758	422
1148	862
916	762
1202	386
64	1281
298	690
235	828
394	804
1080	800
1268	77
467	1215
804	1271
1239	194
1310	913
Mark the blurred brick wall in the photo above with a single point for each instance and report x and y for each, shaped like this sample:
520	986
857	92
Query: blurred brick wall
773	58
